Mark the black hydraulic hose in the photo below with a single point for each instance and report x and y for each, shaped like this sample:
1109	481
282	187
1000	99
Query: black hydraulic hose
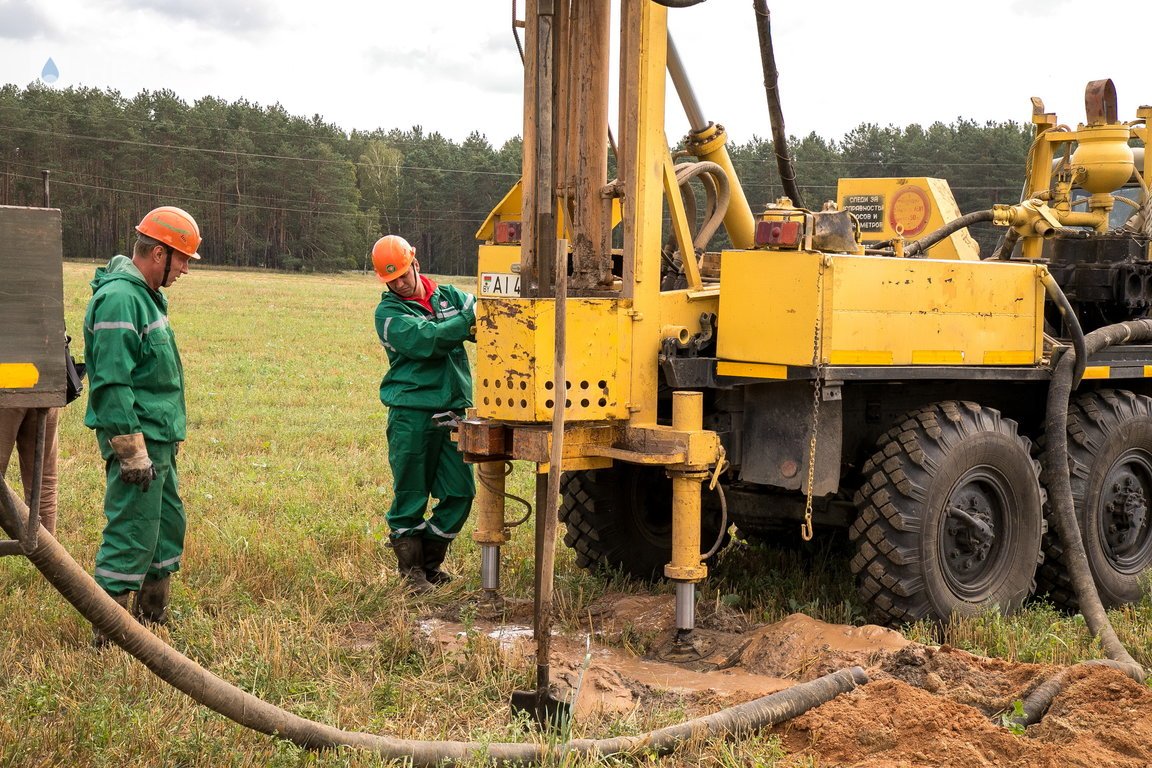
79	589
917	247
1059	486
1071	322
775	112
1039	701
1007	244
508	469
723	524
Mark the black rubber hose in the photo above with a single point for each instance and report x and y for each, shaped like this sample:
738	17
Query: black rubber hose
1007	244
917	247
79	589
1059	486
723	524
1037	703
1071	322
775	111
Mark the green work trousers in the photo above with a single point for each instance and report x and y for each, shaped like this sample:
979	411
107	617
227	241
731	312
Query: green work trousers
144	536
426	463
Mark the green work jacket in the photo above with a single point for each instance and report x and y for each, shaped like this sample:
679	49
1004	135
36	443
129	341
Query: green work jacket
427	363
135	378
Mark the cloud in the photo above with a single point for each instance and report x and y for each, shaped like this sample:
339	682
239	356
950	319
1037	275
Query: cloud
493	67
21	20
243	18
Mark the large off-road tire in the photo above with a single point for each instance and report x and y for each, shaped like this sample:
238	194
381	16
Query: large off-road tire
950	517
621	518
1110	467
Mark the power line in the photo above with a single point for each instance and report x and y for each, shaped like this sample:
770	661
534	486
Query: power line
409	212
258	155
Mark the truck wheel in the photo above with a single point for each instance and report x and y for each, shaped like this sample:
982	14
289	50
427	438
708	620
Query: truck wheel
950	516
621	518
1110	463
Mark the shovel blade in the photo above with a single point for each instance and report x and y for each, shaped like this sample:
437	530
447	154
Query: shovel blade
544	709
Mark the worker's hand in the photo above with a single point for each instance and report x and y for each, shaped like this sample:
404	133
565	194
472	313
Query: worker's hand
135	466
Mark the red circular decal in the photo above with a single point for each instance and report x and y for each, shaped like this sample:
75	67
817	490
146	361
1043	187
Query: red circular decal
910	210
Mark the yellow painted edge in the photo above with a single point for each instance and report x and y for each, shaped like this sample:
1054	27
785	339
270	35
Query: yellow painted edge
752	370
937	357
18	375
1098	372
859	357
1147	371
1009	357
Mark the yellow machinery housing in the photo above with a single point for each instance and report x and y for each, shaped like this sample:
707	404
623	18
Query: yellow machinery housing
801	308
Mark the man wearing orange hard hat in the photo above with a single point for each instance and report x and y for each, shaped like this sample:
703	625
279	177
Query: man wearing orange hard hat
136	406
423	326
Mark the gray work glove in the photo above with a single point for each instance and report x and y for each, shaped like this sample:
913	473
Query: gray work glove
135	466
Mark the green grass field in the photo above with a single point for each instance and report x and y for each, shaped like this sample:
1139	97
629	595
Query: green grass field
286	590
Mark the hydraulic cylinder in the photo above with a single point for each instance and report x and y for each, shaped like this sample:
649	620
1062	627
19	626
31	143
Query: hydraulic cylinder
490	532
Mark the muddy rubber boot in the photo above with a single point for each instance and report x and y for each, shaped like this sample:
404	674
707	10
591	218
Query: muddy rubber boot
101	640
435	550
151	605
410	562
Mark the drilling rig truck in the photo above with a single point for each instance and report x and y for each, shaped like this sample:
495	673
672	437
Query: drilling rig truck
856	365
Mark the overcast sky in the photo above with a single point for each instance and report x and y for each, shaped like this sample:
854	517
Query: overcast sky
452	66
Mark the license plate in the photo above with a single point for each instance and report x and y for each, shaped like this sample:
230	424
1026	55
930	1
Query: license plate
499	284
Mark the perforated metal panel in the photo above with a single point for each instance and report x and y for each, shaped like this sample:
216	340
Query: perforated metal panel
515	359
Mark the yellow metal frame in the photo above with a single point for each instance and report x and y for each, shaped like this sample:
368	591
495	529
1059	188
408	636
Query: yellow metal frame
1101	149
612	344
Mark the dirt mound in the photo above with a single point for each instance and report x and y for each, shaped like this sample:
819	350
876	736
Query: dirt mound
923	706
1101	719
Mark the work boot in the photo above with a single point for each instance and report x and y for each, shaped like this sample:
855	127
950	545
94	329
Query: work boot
435	550
410	561
152	601
101	640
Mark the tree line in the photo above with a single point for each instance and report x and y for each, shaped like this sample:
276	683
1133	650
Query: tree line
279	191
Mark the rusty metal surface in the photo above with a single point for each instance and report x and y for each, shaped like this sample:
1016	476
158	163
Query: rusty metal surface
32	305
1100	102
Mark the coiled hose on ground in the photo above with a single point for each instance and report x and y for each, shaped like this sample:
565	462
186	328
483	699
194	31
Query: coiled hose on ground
79	589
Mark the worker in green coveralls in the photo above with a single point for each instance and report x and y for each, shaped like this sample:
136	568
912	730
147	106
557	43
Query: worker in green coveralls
423	327
136	407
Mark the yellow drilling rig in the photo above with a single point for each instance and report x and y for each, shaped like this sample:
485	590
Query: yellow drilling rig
854	365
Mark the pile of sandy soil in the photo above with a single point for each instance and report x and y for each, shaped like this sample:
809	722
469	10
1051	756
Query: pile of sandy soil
923	705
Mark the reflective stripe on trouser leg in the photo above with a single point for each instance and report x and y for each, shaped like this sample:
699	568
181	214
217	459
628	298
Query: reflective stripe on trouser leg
455	486
137	523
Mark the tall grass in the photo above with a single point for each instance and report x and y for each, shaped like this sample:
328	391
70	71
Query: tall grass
286	590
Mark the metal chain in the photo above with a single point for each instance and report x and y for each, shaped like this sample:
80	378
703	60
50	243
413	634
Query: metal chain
806	526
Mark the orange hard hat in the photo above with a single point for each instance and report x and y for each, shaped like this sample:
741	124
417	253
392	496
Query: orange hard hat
391	256
174	227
